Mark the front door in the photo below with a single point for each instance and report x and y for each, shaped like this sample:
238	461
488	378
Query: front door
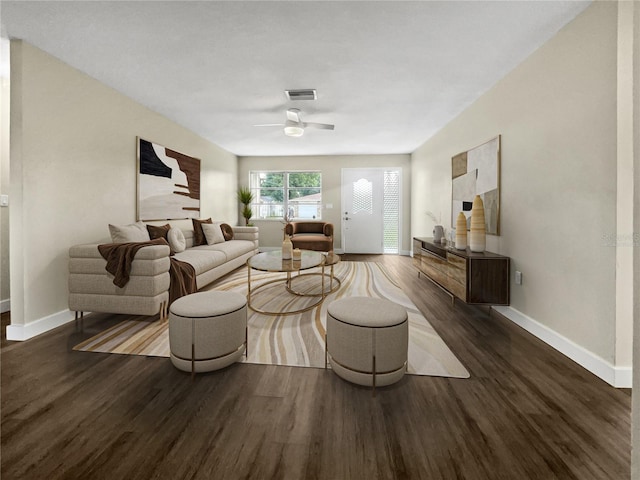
362	210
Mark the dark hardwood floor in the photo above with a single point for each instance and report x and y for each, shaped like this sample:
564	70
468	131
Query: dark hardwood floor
527	412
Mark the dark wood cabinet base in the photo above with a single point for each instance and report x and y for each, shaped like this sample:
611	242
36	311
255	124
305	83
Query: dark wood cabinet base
476	278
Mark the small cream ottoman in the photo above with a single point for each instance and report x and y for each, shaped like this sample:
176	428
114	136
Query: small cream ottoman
367	340
207	330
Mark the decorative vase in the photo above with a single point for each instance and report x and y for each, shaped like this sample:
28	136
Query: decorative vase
477	232
461	232
287	248
438	233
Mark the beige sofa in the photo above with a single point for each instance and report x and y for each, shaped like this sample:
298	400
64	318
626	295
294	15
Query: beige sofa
91	287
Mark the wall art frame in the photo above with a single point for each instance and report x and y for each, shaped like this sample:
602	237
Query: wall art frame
168	183
477	172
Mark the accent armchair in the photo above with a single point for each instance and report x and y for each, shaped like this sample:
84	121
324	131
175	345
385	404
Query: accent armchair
316	236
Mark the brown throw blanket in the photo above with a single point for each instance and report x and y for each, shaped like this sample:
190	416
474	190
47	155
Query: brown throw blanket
183	279
119	257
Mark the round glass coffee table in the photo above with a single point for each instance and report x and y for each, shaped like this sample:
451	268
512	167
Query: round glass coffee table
272	262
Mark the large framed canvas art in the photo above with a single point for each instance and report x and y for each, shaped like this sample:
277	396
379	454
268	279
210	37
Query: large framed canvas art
477	172
168	183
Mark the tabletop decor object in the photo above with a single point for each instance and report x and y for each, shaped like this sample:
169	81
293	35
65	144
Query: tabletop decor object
477	234
461	232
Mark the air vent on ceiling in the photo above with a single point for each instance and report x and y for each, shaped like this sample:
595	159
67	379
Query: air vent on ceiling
306	94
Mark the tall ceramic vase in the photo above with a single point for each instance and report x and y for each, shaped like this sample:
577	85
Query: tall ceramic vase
477	233
287	248
461	232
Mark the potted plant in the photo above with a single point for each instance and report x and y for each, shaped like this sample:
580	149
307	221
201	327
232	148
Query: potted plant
245	197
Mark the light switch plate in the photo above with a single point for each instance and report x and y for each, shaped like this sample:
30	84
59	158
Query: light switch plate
518	278
4	200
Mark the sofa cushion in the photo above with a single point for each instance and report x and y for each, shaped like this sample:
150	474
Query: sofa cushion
308	227
158	231
198	234
201	259
135	232
231	249
213	233
176	240
227	231
309	241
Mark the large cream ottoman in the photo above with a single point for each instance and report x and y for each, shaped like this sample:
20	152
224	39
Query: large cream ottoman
367	340
207	330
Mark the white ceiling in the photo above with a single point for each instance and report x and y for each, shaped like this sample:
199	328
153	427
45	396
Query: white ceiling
388	74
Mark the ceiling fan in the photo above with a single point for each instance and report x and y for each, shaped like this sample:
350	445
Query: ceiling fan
294	126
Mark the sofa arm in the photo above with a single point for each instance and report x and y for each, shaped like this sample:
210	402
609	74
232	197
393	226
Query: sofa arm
289	229
91	287
245	233
90	250
328	229
149	261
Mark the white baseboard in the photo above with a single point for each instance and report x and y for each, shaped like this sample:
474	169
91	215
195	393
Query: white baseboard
29	330
620	377
5	305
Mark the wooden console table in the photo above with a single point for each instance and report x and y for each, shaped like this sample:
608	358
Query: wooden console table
476	278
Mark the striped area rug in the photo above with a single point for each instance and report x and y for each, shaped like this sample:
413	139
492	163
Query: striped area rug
295	340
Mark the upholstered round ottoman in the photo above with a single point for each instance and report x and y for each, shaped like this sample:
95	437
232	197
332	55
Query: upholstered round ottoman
367	340
207	330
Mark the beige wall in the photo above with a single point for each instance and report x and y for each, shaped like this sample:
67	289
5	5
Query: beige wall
556	113
4	173
73	171
331	168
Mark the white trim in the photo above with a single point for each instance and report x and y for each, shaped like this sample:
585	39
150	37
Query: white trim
406	253
623	377
619	377
401	205
5	305
21	332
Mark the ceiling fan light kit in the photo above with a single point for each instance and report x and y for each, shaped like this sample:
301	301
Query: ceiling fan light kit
294	126
292	129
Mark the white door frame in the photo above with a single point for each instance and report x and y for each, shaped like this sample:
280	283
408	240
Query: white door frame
400	202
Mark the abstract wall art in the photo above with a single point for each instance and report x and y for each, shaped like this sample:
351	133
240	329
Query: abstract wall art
168	183
477	172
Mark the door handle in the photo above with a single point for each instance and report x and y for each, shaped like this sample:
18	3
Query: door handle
346	218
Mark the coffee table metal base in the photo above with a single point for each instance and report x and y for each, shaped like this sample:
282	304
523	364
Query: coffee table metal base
333	284
287	281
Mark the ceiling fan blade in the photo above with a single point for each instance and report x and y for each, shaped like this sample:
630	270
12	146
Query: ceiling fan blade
270	125
293	114
322	126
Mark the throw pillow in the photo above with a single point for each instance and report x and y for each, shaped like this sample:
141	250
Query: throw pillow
213	233
135	232
158	231
227	231
176	240
198	235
